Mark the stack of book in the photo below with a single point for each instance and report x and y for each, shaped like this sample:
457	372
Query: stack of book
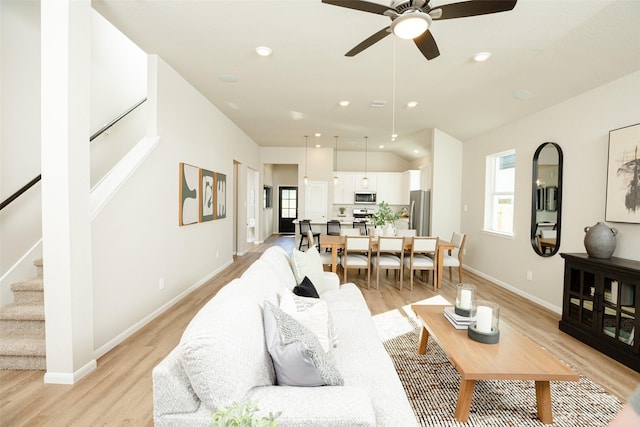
458	322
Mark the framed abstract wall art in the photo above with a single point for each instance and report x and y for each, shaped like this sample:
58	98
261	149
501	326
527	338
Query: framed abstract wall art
189	194
221	196
207	186
623	175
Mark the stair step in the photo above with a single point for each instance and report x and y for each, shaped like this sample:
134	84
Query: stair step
15	311
30	292
39	268
22	320
23	354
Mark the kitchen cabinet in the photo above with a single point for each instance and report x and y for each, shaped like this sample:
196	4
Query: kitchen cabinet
389	188
600	302
343	194
410	182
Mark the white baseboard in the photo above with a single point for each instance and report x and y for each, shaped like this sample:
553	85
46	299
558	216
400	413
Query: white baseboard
515	290
63	378
137	326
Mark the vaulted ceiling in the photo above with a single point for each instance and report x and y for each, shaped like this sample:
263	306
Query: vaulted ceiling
543	52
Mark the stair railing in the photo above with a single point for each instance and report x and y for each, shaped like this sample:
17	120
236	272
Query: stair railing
35	180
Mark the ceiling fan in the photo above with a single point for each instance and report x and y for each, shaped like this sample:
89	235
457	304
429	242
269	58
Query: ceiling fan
411	19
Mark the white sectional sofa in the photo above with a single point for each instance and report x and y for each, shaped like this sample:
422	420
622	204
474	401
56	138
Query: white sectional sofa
223	358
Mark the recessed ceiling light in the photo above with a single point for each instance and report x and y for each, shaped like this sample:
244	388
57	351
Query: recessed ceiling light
381	146
263	51
412	104
416	151
318	145
228	78
481	56
344	103
317	134
523	94
377	104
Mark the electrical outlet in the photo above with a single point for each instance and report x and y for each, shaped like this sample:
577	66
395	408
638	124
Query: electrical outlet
529	275
161	283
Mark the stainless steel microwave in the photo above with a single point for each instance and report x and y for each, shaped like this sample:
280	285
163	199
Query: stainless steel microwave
364	198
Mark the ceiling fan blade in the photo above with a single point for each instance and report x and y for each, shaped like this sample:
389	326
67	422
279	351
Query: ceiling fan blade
471	8
427	45
362	5
369	41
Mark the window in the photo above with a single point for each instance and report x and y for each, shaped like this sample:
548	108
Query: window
499	193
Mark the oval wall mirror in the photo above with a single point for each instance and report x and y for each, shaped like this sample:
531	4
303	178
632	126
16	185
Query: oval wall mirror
546	199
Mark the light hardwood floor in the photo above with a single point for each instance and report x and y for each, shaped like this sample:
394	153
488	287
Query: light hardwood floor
119	391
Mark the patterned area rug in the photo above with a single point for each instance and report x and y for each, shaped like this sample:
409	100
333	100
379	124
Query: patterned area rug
432	386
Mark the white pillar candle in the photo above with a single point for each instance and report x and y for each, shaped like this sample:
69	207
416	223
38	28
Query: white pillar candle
465	299
484	318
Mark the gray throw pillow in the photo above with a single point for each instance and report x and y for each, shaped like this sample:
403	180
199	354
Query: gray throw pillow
298	357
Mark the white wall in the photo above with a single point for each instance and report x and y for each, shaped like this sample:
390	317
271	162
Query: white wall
20	222
581	127
136	238
377	161
447	184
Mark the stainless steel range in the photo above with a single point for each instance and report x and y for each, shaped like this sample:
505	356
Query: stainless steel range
363	213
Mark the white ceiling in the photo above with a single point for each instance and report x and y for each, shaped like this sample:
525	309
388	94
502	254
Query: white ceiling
555	49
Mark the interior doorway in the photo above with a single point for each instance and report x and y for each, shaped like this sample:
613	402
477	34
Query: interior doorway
287	209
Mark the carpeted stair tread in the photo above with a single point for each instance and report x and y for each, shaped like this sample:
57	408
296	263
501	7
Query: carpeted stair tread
33	285
20	346
15	311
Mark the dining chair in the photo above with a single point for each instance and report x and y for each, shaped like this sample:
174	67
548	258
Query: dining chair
333	227
454	256
422	257
305	225
362	226
357	254
390	256
325	257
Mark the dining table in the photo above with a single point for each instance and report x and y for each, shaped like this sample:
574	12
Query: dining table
335	243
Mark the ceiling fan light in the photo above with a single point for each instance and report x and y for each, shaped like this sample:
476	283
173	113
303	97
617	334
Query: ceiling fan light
411	25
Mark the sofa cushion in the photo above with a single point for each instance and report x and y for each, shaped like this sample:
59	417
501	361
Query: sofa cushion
308	264
298	357
223	348
279	260
313	314
306	289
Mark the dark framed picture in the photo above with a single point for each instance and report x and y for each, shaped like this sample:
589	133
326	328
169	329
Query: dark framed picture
623	175
206	195
220	199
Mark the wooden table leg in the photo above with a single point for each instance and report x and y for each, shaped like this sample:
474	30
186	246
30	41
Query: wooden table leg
334	258
440	262
423	340
464	400
543	401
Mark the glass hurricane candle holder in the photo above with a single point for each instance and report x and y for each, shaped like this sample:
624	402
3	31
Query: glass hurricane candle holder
466	300
485	329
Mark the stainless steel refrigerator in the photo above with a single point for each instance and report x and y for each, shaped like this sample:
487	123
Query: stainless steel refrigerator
419	211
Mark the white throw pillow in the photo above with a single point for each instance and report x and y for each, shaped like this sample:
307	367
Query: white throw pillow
313	316
298	357
308	264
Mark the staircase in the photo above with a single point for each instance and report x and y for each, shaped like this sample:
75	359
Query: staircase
22	335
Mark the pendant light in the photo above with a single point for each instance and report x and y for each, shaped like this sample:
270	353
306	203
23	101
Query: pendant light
365	180
306	159
336	178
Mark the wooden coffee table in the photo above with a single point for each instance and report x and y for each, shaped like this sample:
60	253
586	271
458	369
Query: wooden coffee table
515	357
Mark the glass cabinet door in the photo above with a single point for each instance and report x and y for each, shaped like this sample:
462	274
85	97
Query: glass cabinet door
582	289
619	314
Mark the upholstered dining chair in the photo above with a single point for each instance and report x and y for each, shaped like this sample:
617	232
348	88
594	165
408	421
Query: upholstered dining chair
325	257
454	256
305	225
422	257
362	226
357	254
390	256
333	227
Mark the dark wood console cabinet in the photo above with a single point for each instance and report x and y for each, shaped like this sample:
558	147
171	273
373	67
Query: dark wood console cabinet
600	302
